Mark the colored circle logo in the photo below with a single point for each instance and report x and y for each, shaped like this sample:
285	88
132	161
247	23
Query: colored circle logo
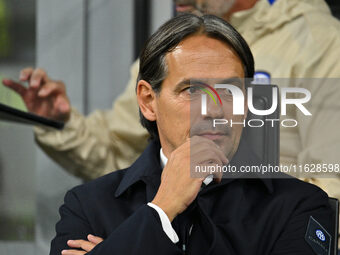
320	235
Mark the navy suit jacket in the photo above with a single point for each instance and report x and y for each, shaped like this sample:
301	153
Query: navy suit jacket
236	216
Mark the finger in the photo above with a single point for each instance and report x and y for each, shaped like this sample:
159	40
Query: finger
85	245
72	252
208	165
201	145
38	77
214	154
218	177
26	73
221	155
206	153
95	239
205	178
17	87
51	87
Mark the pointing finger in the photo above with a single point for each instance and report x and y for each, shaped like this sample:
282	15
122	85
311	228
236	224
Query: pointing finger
17	87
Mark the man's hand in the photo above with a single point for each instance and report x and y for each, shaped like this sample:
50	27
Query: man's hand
43	96
86	246
178	189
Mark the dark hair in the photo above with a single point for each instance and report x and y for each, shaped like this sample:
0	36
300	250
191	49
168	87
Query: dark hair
153	66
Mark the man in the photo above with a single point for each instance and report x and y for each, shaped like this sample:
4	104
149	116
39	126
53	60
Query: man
146	210
289	39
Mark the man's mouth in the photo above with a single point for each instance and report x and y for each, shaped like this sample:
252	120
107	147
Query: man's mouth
184	8
213	135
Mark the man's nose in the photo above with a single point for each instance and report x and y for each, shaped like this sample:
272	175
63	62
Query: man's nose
214	110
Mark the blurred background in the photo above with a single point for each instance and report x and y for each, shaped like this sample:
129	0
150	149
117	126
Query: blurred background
90	45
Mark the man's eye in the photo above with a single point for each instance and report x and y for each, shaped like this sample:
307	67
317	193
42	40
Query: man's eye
224	92
193	90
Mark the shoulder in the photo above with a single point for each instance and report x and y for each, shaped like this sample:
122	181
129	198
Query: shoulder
102	186
307	22
299	193
290	185
317	23
323	28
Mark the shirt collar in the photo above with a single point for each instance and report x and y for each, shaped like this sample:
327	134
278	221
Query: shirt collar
146	168
163	158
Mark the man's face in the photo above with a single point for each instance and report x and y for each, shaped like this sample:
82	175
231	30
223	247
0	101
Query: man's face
216	7
178	112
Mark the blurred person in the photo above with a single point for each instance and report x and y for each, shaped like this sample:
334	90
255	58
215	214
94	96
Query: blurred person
289	39
156	206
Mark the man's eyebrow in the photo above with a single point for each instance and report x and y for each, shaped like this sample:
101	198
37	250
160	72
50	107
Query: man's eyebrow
182	83
233	80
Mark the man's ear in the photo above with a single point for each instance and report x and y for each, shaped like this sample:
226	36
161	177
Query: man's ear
146	98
